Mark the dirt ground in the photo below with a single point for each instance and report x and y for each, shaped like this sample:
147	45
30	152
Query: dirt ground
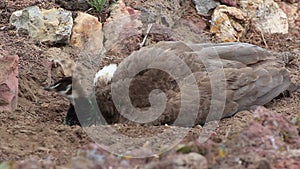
36	130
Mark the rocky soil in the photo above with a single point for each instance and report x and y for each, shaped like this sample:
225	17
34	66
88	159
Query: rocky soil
35	129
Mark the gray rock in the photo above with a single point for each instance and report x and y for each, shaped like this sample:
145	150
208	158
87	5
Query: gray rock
203	6
53	25
168	20
266	15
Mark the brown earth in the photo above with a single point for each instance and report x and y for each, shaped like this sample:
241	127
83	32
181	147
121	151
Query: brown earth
36	130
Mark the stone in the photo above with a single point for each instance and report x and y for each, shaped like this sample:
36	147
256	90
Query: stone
291	10
180	22
122	29
8	82
126	29
181	161
268	124
27	164
87	33
228	23
229	2
203	6
266	15
51	26
84	163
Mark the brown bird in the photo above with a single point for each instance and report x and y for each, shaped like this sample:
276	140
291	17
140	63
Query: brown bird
186	84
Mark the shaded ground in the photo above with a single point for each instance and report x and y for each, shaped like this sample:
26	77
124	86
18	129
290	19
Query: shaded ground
36	130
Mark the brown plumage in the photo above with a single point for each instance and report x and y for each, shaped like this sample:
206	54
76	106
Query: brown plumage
221	79
252	77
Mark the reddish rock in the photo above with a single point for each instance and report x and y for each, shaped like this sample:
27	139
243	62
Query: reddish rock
8	82
229	2
124	26
291	10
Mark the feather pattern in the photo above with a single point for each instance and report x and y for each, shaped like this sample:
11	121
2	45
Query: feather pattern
252	76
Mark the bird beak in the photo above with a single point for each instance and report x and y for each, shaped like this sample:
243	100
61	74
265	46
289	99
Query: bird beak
48	88
52	87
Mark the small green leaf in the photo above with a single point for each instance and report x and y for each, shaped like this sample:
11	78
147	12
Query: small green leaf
97	5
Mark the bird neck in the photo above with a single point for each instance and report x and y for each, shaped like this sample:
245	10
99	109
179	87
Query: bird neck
71	117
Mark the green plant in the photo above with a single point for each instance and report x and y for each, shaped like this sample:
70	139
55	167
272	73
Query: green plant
97	5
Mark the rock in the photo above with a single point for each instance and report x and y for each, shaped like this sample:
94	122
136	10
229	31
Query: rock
228	23
97	156
291	10
126	28
8	82
152	13
203	6
268	125
27	164
268	140
80	5
122	30
271	135
52	26
180	22
189	31
182	161
191	160
87	33
266	15
229	2
84	163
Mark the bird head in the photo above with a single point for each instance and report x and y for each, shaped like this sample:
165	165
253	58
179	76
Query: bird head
63	87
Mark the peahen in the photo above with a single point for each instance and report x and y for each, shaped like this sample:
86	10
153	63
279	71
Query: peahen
252	77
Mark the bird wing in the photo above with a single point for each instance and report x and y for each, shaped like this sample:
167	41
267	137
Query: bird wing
252	76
